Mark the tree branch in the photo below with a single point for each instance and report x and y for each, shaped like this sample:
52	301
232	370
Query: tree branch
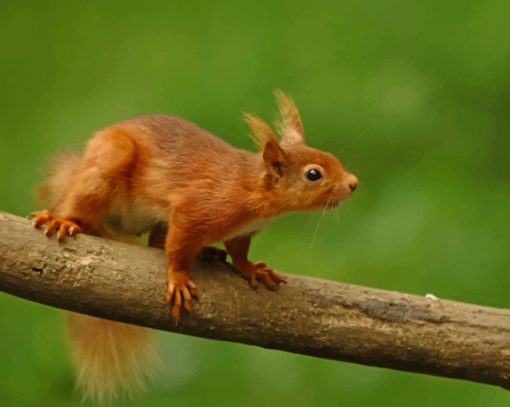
314	317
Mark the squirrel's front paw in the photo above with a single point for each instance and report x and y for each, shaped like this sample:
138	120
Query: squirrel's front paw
65	227
180	286
254	272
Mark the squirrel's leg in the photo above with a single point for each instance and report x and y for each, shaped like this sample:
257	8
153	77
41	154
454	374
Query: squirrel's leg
181	249
87	197
238	250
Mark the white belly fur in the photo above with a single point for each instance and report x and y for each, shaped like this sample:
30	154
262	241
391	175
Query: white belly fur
138	219
135	219
250	228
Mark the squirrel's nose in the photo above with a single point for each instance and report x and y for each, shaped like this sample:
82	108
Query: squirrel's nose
352	181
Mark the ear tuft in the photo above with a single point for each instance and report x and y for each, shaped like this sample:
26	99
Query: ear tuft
261	133
288	121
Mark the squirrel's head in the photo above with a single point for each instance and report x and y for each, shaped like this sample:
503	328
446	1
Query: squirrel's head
303	177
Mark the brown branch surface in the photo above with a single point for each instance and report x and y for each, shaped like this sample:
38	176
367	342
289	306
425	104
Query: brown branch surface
309	316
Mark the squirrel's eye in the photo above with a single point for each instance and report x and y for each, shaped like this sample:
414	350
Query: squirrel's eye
313	174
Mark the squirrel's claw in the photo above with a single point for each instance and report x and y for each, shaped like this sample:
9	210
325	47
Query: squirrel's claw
192	289
180	288
65	227
39	218
53	225
254	272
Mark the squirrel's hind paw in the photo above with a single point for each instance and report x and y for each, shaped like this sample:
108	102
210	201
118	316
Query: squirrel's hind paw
254	272
64	227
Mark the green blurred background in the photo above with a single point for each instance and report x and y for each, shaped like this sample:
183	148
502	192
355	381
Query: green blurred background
413	96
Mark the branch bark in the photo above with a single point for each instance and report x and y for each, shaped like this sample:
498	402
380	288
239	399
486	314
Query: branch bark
309	316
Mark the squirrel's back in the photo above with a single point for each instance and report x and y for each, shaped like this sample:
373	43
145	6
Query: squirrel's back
173	136
161	154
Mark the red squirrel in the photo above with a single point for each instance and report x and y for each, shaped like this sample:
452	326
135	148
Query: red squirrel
156	170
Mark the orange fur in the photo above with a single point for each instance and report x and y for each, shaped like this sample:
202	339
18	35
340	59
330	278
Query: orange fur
110	358
157	170
59	171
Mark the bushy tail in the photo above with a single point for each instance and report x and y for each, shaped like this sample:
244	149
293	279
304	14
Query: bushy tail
109	358
59	172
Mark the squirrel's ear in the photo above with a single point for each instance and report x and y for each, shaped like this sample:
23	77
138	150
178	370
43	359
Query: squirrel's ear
261	133
274	157
288	121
